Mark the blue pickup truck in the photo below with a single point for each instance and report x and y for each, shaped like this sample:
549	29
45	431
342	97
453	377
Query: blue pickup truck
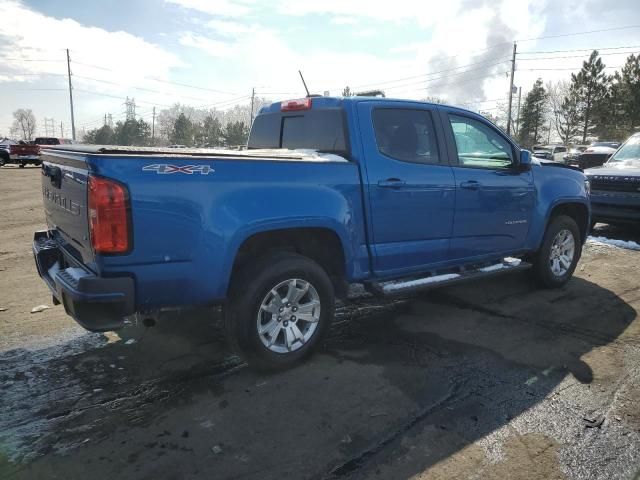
397	195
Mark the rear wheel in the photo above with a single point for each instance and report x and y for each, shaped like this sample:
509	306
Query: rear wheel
555	262
279	310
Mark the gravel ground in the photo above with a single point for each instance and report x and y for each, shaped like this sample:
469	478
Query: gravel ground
492	380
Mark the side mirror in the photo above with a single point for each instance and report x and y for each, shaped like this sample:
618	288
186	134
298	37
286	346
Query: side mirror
525	160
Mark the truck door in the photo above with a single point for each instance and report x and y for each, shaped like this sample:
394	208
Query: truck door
494	198
411	189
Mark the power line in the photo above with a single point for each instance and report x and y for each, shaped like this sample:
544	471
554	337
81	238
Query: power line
579	50
558	69
385	82
139	88
160	80
573	56
628	27
434	79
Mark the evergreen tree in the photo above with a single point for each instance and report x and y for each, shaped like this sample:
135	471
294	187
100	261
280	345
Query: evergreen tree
627	92
132	132
210	131
182	133
235	133
346	92
590	84
532	119
100	136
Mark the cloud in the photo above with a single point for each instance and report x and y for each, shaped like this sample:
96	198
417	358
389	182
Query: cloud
213	48
224	8
227	27
106	66
46	38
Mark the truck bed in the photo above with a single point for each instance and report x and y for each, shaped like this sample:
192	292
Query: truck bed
253	154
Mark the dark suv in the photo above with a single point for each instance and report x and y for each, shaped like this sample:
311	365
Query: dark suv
615	186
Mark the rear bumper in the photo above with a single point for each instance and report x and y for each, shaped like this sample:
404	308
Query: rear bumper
25	158
98	304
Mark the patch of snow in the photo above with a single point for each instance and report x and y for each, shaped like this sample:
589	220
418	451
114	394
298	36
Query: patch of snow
512	261
493	268
507	262
628	244
390	287
40	308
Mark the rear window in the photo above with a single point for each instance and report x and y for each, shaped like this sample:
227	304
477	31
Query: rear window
47	141
323	130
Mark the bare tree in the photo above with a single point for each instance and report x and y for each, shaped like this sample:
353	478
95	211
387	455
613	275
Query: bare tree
24	124
564	110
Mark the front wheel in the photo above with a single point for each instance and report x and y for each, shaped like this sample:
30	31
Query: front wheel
555	262
279	310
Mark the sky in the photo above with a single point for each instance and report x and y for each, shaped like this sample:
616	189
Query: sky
212	53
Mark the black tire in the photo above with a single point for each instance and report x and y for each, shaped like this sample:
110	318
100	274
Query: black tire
252	285
21	165
542	259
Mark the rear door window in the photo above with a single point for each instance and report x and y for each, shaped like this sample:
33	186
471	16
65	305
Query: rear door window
406	134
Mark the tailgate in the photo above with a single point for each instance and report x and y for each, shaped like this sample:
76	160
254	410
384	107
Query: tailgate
64	194
30	150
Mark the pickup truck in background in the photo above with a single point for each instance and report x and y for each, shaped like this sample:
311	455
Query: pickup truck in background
596	154
615	195
397	195
20	153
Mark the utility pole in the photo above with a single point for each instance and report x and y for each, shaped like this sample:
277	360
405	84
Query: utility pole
549	134
105	119
73	123
153	128
253	94
61	131
518	117
513	71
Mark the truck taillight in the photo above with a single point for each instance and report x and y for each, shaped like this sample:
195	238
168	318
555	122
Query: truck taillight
108	206
295	105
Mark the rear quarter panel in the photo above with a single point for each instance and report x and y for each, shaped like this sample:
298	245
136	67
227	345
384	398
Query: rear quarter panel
187	228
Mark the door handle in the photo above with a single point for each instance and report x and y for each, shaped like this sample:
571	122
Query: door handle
470	185
392	183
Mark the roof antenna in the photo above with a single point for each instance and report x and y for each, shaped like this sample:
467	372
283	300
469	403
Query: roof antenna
304	83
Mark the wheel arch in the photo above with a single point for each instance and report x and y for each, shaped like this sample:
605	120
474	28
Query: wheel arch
319	243
575	210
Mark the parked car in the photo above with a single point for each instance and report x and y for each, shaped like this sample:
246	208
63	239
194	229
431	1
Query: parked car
5	148
572	155
550	152
397	195
615	186
596	154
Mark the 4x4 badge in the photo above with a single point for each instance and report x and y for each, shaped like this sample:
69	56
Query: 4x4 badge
165	169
